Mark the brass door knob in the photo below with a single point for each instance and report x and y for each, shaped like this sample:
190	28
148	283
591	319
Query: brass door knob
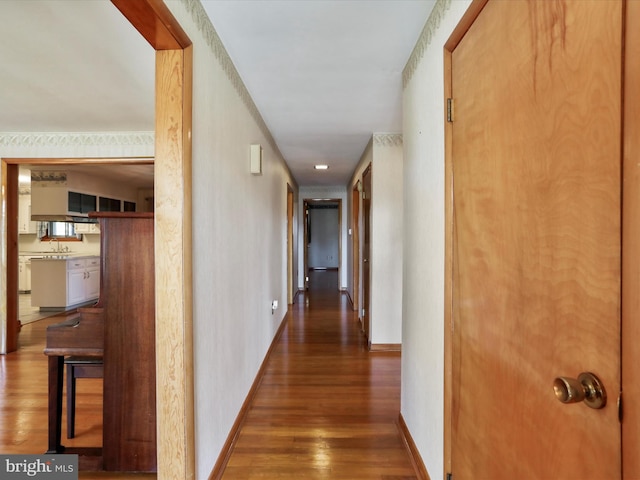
586	388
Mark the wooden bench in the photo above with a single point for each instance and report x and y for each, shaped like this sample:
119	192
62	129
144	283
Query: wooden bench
79	367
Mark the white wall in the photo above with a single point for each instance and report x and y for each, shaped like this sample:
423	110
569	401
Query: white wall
386	240
239	238
384	153
423	303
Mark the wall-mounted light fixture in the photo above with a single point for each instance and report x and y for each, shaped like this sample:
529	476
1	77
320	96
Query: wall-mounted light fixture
321	167
256	159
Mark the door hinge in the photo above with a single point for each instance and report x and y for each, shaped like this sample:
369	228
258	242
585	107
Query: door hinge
449	476
449	115
620	407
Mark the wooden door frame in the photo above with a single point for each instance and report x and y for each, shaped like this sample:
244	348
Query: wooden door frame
630	301
355	242
9	324
290	244
630	305
305	239
173	227
365	319
305	204
463	26
173	234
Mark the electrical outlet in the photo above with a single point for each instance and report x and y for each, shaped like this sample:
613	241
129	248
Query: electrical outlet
274	306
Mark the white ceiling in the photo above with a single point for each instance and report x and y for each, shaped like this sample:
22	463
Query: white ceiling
324	74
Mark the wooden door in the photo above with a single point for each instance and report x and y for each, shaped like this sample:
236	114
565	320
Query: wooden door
290	243
11	330
366	253
631	246
536	235
307	226
355	244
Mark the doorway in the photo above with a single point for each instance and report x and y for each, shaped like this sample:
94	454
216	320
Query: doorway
40	238
322	238
13	167
355	243
173	92
366	255
290	244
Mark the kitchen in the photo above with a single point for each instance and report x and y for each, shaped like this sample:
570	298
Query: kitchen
59	246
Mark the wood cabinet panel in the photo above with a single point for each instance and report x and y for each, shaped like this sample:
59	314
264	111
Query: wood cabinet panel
128	297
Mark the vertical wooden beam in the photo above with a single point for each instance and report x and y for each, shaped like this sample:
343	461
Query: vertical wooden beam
631	246
355	242
9	262
290	205
449	341
448	267
173	262
4	327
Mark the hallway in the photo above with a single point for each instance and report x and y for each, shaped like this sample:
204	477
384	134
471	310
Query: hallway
326	408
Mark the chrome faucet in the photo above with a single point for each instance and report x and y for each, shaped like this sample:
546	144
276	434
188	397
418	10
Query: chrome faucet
57	248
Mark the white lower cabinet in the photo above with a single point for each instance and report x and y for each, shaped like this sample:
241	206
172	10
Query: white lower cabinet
24	274
62	283
92	281
76	283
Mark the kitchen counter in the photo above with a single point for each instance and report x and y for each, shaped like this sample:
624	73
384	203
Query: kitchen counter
60	281
60	256
57	255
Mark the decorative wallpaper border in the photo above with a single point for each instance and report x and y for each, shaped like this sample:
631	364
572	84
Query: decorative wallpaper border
433	22
76	139
387	139
202	21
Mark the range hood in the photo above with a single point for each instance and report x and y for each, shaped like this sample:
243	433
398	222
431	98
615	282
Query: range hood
63	218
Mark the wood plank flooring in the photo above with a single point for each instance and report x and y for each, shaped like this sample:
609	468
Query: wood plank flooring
326	408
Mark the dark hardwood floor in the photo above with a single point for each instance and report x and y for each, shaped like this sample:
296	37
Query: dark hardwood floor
326	408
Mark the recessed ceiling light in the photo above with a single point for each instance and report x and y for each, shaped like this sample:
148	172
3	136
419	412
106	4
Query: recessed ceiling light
321	167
